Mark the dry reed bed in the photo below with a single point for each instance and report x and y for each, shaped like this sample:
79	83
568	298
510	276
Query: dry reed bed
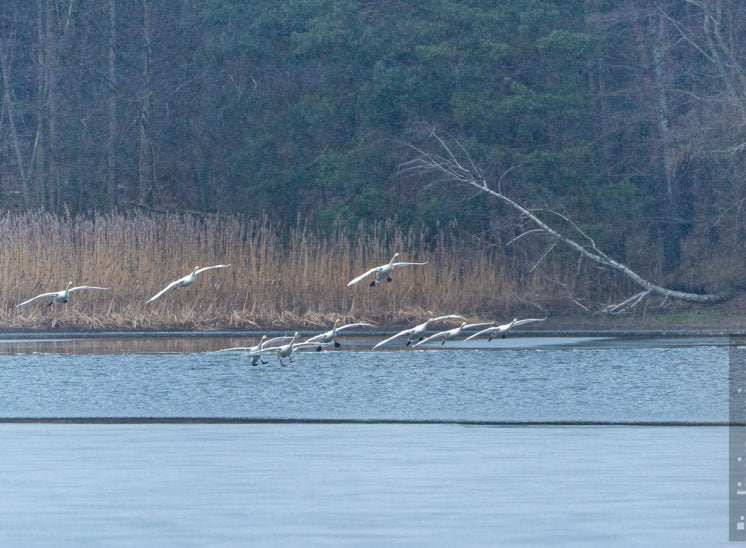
278	279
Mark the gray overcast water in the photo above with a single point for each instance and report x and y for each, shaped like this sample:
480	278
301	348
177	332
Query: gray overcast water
358	484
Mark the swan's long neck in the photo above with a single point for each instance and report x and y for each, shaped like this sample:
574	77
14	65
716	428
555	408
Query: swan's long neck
393	258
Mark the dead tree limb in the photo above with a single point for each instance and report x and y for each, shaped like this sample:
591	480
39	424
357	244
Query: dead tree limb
457	166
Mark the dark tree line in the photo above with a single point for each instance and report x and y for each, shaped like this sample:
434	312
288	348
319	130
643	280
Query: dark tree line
626	115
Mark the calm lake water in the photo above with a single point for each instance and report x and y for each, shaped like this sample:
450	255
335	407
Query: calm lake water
448	445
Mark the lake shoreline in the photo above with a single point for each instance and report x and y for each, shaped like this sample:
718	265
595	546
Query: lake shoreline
555	326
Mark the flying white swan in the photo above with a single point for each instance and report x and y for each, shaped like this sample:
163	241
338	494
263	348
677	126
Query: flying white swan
248	349
416	333
503	329
286	350
382	272
186	280
331	335
60	296
451	333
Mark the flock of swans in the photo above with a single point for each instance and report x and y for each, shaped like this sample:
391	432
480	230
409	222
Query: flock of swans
283	347
415	335
64	295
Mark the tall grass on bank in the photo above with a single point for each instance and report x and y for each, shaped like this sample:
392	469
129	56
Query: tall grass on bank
278	279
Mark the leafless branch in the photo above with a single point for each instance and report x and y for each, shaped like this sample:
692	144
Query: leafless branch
522	234
627	304
446	163
547	251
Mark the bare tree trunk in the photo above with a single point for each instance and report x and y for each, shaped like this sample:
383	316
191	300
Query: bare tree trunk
111	159
453	168
51	68
39	155
672	222
145	155
8	100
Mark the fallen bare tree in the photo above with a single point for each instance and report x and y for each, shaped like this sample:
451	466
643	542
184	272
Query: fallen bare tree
453	164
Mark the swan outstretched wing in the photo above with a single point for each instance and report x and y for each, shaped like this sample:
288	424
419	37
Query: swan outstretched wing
236	349
86	287
477	325
409	264
261	351
528	320
482	332
351	325
50	294
432	337
399	334
368	273
162	291
448	317
199	270
321	336
274	340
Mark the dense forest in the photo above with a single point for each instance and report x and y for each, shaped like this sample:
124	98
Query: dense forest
626	116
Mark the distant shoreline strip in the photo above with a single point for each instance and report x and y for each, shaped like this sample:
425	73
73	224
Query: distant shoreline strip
249	420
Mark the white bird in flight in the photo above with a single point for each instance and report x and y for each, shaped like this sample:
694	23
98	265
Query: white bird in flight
255	358
382	272
451	333
186	280
60	296
503	329
330	336
416	333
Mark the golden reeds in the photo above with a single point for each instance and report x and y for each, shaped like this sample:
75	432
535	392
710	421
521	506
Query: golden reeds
279	278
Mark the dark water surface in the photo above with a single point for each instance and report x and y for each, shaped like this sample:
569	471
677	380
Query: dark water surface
311	483
522	380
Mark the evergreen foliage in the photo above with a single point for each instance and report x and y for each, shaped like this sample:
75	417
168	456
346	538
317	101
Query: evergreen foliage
628	116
